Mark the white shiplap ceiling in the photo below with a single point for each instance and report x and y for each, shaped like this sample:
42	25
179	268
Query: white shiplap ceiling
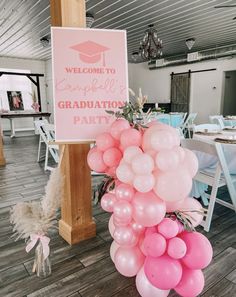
24	22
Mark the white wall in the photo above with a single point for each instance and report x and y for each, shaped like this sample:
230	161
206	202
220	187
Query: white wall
206	87
35	67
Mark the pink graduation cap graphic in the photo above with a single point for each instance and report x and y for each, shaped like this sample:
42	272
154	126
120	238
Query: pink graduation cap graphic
90	52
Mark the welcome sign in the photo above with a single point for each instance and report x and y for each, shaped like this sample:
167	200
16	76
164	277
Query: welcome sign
89	77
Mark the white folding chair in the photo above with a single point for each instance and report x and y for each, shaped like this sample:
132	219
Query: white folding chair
188	124
47	135
216	178
218	120
206	127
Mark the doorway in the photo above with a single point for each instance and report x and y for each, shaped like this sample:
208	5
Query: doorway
229	99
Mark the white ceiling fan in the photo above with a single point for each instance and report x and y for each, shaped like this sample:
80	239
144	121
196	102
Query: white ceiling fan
227	6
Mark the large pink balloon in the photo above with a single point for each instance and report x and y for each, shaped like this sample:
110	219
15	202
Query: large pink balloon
95	160
199	250
125	236
173	205
104	141
144	183
180	151
173	185
123	211
155	245
192	209
191	284
131	152
130	137
112	157
111	226
168	228
167	160
161	140
124	192
163	272
107	202
191	162
146	289
148	209
118	126
142	164
124	173
176	248
113	248
128	261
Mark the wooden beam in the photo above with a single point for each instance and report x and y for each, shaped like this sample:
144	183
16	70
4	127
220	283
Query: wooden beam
76	222
2	159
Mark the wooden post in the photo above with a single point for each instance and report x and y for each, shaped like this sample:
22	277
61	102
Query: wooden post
2	159
76	222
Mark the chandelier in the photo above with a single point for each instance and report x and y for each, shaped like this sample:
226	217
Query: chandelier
151	45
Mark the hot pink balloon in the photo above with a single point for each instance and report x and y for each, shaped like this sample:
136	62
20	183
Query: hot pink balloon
131	137
155	245
163	272
123	211
107	202
146	289
148	209
130	152
144	183
142	164
176	248
104	141
111	226
150	230
192	210
168	228
191	162
128	261
191	284
173	185
114	247
199	250
167	160
95	161
125	236
118	126
112	157
124	192
124	173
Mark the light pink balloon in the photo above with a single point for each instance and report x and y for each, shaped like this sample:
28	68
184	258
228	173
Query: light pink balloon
191	162
163	272
151	153
173	185
131	137
111	171
125	236
111	226
191	208
180	151
104	141
128	261
142	164
118	126
161	140
173	205
95	161
167	160
144	183
199	250
154	245
112	157
146	289
176	248
141	244
124	173
124	192
137	228
113	248
123	211
148	209
130	152
191	284
108	201
168	228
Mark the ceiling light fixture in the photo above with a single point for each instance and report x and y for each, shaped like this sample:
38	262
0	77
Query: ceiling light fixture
45	41
190	42
151	45
89	19
135	56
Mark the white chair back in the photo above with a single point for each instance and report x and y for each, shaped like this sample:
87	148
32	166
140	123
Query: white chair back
188	124
217	119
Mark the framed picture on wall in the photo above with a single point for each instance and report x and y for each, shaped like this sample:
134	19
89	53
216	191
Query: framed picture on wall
15	100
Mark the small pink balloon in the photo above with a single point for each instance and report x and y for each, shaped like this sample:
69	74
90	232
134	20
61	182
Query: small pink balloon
112	157
176	248
125	236
151	153
131	152
167	160
114	247
199	250
131	137
141	244
111	226
123	211
144	183
173	205
95	161
124	173
148	209
155	245
108	201
163	272
104	141
128	261
142	164
137	228
146	289
191	284
124	192
193	210
191	162
180	151
118	126
168	228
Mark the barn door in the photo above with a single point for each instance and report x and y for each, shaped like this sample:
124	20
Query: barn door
180	92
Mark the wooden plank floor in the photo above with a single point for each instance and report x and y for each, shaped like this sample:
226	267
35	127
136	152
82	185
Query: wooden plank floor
85	269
